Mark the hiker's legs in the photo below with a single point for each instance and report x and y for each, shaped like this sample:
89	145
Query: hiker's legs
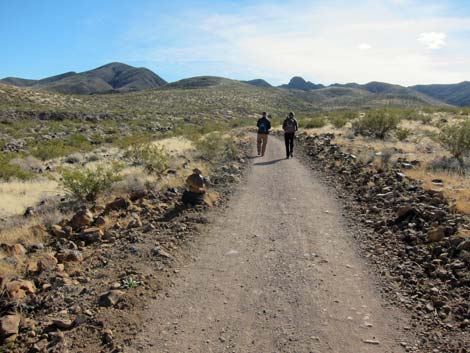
258	143
265	142
286	140
292	138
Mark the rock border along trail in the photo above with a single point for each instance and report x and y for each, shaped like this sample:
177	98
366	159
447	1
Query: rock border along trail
277	271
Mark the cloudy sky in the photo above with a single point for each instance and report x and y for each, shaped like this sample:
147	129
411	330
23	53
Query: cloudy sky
398	41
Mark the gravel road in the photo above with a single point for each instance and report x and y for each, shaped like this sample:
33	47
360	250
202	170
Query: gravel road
276	271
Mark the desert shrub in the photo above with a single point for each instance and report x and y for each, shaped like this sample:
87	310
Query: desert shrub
10	171
87	184
425	119
456	139
50	150
340	120
215	147
131	140
402	133
313	123
447	164
376	123
153	158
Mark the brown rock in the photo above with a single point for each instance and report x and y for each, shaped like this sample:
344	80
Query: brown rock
47	262
9	326
62	324
58	231
135	222
137	195
118	204
436	234
13	250
69	256
41	346
20	288
32	266
81	219
101	222
92	235
111	298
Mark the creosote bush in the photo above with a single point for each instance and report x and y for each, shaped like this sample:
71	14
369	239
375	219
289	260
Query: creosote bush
456	139
87	184
215	147
376	123
153	158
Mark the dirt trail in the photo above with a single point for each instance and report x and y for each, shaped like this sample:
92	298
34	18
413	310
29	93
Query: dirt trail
276	272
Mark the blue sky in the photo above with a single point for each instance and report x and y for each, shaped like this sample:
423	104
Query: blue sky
399	41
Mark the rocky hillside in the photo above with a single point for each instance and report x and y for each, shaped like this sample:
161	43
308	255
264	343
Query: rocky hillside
113	77
455	94
258	83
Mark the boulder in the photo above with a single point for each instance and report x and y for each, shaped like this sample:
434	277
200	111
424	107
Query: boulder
9	326
111	298
58	231
20	288
436	234
47	262
81	219
91	235
137	195
14	250
69	256
118	204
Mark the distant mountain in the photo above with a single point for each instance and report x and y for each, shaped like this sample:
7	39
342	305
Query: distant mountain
298	82
113	77
456	94
258	83
197	82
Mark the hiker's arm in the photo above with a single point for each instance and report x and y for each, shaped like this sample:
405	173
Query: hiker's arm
296	125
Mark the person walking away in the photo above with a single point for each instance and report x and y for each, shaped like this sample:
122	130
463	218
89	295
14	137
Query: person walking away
290	126
264	125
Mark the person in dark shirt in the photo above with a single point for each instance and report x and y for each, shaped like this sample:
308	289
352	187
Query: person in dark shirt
264	125
290	126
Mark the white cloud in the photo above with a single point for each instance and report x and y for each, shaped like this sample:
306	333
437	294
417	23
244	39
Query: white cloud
364	46
433	40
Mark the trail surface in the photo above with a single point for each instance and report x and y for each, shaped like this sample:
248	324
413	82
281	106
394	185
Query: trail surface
276	272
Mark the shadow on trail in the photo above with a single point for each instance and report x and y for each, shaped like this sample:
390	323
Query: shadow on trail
274	161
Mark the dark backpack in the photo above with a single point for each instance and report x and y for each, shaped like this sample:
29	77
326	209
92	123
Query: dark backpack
263	127
289	126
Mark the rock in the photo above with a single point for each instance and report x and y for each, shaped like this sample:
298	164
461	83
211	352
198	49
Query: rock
13	250
58	231
41	345
107	336
20	288
436	234
69	256
9	326
47	262
92	235
62	324
162	253
81	219
135	222
101	222
137	195
118	204
32	266
111	298
29	212
465	245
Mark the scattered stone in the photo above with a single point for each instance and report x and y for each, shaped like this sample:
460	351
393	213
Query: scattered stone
118	204
20	288
9	326
436	234
69	256
111	298
58	231
92	235
81	219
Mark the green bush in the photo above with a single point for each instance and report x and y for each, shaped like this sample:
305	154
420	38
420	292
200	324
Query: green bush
314	123
10	171
456	139
215	147
402	133
153	158
339	120
50	150
376	123
87	184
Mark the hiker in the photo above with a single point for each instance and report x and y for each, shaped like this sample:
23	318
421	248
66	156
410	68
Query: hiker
289	126
197	186
264	125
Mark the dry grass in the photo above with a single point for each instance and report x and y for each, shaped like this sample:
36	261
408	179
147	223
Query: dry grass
16	196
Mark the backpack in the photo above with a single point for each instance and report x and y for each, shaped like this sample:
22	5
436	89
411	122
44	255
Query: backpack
263	127
289	126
